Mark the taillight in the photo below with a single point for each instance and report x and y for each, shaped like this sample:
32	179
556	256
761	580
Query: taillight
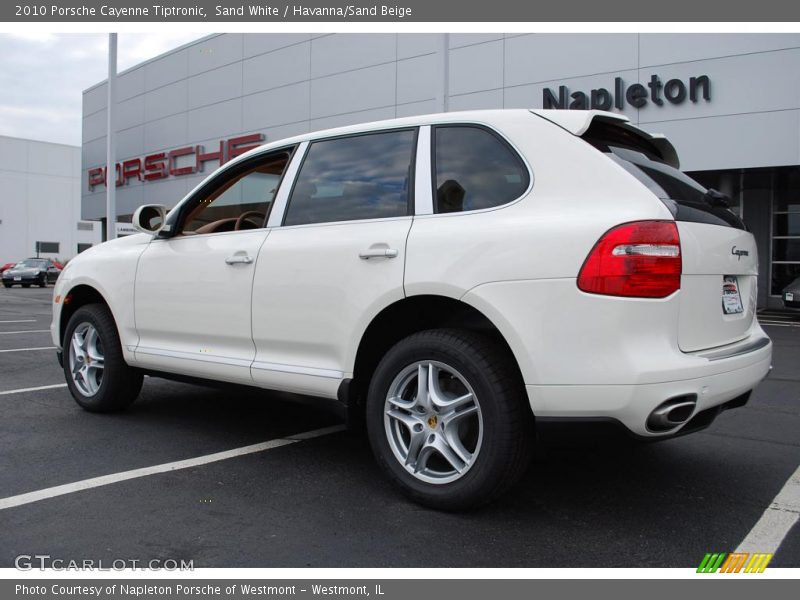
637	260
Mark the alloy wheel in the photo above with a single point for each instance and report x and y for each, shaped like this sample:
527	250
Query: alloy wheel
86	359
433	422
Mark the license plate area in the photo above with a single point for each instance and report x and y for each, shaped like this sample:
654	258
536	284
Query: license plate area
731	297
789	297
17	278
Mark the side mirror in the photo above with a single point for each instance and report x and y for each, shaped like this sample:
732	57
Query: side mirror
149	218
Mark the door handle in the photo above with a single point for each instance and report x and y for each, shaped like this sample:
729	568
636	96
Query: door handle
238	259
378	253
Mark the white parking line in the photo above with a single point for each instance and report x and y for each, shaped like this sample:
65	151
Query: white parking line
30	331
33	389
28	349
777	520
94	482
21	321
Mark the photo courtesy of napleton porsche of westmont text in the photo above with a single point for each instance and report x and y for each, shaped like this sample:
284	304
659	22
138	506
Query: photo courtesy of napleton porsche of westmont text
396	308
190	590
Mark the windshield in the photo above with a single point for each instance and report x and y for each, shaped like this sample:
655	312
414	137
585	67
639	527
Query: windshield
32	263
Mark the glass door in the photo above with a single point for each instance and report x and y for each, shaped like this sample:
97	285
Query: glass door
785	239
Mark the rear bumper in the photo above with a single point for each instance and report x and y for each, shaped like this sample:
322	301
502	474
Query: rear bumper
631	405
555	427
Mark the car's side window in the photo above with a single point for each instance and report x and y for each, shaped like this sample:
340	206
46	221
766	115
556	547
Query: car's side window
241	201
474	168
365	176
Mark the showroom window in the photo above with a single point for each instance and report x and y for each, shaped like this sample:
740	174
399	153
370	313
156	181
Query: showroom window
47	247
475	169
83	247
354	178
785	229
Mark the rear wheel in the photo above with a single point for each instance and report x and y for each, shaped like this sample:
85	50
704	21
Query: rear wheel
97	375
448	420
7	285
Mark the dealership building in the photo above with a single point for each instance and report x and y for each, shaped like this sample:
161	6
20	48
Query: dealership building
730	103
40	203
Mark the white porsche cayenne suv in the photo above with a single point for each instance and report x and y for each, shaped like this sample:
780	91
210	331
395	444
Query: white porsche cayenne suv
452	279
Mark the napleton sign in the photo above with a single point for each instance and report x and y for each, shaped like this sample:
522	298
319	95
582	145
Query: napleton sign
174	163
674	91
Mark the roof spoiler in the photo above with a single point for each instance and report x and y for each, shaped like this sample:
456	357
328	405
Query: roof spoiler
578	122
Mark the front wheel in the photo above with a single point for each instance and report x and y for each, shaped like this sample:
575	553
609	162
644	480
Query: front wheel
448	420
98	377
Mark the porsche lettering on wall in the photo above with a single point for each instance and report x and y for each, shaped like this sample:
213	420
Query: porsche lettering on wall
173	163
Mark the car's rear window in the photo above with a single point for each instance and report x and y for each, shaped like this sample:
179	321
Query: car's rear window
475	169
685	198
352	178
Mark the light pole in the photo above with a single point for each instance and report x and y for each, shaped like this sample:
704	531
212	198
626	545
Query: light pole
111	142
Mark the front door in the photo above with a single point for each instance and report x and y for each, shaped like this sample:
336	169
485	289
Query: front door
193	290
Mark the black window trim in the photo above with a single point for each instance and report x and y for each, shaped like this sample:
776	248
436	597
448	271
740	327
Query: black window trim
410	205
518	156
212	182
39	249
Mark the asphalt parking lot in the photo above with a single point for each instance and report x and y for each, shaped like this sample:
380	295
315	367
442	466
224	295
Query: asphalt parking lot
321	502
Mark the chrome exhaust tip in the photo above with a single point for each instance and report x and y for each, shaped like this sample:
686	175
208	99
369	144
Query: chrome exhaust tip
672	413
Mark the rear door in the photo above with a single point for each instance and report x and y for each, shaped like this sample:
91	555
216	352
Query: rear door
334	260
720	263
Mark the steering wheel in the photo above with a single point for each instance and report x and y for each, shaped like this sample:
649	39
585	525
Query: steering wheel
244	216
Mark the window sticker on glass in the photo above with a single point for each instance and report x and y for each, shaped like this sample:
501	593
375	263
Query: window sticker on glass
731	298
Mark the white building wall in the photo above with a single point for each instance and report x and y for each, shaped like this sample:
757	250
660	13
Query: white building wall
40	199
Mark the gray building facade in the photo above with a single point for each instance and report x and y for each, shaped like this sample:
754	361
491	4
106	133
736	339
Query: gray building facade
730	103
40	204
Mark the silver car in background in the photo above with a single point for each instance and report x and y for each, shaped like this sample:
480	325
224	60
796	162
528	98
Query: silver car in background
791	294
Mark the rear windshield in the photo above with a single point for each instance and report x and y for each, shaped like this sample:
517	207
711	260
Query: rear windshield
686	199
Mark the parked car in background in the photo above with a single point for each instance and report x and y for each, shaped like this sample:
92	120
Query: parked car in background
6	266
791	294
450	279
31	271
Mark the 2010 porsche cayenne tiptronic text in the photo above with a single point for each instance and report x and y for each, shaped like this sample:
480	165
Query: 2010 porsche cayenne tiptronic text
450	278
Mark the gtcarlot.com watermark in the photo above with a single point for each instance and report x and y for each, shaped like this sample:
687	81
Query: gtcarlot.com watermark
43	562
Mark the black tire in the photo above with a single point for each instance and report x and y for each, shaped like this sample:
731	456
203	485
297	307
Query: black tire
7	285
120	384
43	282
502	456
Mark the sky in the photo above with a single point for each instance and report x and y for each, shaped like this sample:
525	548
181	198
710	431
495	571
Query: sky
43	75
